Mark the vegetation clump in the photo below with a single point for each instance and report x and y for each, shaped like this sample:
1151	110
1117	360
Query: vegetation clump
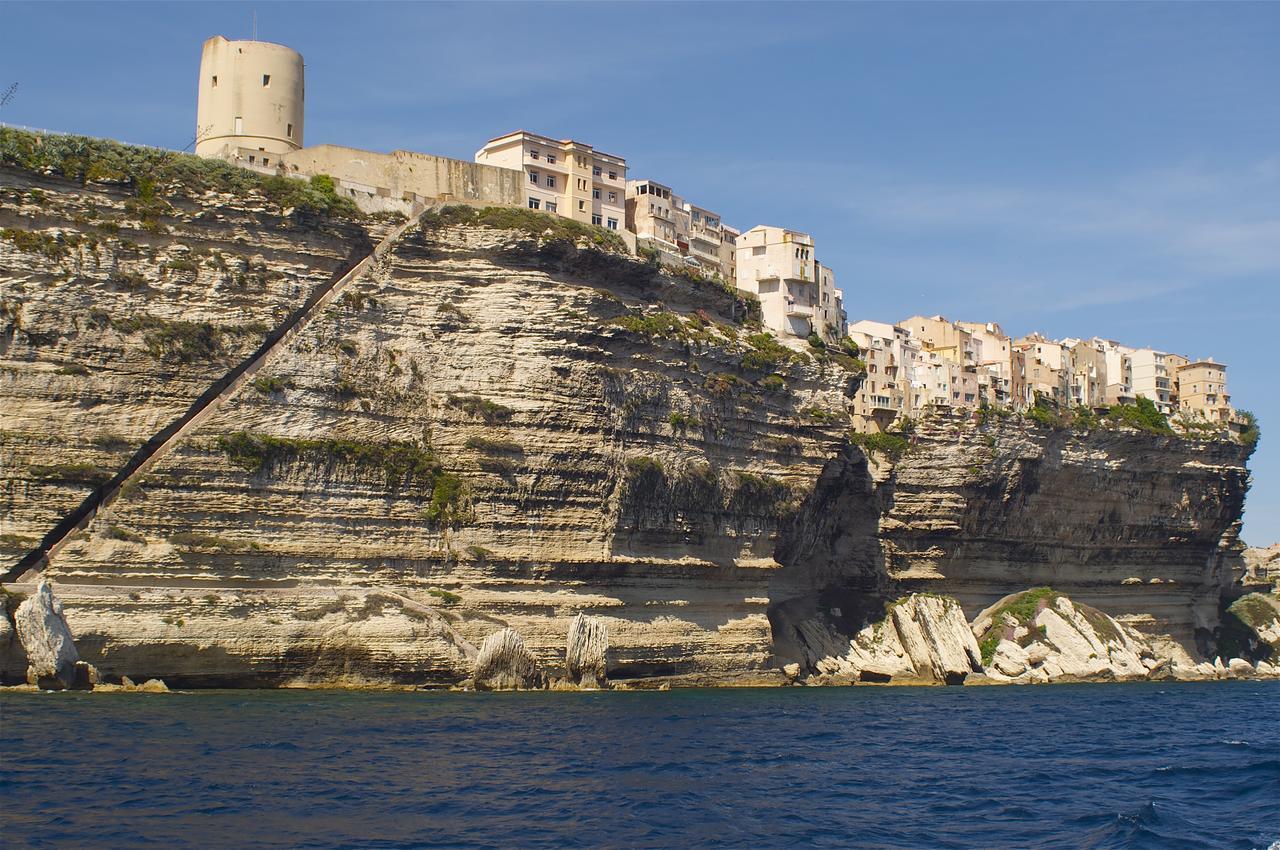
531	222
401	463
35	241
269	384
481	408
493	445
892	446
70	473
1023	609
181	341
768	355
1142	415
151	173
1252	432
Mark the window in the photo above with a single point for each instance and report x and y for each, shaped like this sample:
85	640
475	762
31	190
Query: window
534	203
595	171
757	251
215	81
613	224
551	159
551	181
613	175
250	157
595	193
533	154
533	177
595	218
289	131
650	209
266	161
582	205
644	190
613	197
266	80
582	184
551	206
239	125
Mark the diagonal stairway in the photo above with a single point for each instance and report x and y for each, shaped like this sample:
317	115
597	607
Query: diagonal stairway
209	402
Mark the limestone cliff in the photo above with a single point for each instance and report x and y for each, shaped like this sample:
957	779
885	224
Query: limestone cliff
503	424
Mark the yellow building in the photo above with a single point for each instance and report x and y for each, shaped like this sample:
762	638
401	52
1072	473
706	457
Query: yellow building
1202	390
564	177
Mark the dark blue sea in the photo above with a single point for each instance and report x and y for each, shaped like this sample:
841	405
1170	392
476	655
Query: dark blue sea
1087	766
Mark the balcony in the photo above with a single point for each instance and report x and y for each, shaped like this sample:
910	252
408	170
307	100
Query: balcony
799	308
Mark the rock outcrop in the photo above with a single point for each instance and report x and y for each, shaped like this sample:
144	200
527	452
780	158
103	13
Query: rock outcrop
921	638
585	651
1251	628
505	664
52	660
1262	566
1042	636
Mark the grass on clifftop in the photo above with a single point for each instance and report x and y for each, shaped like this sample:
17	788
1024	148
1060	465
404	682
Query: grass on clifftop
151	173
531	222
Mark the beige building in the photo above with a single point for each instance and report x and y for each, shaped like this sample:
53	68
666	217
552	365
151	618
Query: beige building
249	103
1048	367
683	234
1202	390
1119	366
1151	378
568	178
1005	365
1087	374
797	293
886	391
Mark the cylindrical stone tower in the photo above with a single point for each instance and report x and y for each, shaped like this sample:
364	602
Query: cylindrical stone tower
250	98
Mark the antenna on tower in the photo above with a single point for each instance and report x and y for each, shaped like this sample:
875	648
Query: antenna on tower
8	94
255	25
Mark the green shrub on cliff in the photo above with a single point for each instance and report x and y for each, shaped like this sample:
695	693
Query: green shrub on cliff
35	242
769	355
1252	432
153	173
401	463
1143	415
531	222
482	408
892	446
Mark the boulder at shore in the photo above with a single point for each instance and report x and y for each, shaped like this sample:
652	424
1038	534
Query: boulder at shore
52	658
505	664
584	657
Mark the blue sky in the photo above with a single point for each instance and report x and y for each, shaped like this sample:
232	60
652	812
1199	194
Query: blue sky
1080	169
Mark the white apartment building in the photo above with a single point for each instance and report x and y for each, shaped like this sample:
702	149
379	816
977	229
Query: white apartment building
564	177
797	293
1151	378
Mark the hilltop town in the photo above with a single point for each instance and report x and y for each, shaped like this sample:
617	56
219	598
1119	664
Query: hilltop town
251	113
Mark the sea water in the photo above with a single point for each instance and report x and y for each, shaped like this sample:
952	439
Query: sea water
1142	765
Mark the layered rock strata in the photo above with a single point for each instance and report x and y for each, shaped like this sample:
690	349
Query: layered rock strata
504	427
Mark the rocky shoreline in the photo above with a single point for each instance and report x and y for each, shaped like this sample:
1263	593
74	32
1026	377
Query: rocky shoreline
1029	638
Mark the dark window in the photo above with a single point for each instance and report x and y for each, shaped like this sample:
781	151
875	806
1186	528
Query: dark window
215	81
266	79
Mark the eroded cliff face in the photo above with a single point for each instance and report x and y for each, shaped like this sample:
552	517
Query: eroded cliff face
1140	526
486	425
492	428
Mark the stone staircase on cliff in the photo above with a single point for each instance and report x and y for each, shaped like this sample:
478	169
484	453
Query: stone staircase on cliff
209	402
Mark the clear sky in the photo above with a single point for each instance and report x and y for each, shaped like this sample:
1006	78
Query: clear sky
1080	169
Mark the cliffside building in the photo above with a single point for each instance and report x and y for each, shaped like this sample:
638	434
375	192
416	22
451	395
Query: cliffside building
568	178
1202	391
249	103
797	293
